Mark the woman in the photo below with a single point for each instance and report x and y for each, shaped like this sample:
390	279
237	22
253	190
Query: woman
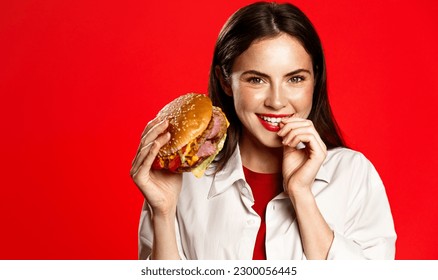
284	186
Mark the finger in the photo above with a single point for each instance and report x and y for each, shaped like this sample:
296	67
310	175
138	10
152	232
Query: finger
155	147
293	119
145	150
138	160
151	132
293	123
312	144
151	124
148	150
292	133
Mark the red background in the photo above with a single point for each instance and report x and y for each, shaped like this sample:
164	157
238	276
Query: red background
80	79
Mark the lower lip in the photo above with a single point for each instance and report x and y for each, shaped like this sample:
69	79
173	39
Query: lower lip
269	126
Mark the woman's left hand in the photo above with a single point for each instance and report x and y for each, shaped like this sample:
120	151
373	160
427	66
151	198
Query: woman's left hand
300	165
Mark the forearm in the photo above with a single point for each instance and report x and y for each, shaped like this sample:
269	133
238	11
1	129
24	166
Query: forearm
164	244
316	235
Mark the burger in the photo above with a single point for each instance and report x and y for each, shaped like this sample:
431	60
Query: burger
197	134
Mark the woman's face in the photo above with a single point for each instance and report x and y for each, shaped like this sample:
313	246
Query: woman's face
271	80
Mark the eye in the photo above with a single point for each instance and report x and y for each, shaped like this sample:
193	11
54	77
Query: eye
255	80
297	79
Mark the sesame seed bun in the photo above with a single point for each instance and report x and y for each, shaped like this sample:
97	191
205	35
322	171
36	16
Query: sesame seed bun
189	116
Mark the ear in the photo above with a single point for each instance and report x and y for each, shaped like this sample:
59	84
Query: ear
225	83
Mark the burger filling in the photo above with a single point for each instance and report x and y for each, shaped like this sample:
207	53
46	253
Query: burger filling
199	149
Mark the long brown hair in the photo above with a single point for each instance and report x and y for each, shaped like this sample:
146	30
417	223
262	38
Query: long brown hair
264	20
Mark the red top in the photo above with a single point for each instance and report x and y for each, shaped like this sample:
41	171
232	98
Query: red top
264	188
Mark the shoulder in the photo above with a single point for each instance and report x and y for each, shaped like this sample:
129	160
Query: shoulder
346	156
351	165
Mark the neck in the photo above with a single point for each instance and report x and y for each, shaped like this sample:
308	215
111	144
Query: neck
259	158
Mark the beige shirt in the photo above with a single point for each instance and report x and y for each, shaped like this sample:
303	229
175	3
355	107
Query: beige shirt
215	219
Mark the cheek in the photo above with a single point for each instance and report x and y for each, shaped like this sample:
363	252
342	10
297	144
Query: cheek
244	99
242	102
308	99
303	102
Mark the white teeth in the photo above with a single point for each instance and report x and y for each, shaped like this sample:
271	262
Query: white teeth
274	121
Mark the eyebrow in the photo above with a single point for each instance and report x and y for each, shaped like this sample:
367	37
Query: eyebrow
258	73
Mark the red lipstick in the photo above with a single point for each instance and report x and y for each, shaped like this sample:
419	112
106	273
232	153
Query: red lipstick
271	122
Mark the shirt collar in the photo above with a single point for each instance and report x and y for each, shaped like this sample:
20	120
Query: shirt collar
231	173
322	180
323	175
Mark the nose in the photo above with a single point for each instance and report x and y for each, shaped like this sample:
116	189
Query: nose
276	98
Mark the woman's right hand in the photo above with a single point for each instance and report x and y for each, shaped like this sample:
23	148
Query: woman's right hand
160	187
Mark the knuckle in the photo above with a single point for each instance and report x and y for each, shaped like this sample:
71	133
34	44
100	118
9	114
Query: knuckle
132	173
143	139
147	128
143	149
150	122
150	125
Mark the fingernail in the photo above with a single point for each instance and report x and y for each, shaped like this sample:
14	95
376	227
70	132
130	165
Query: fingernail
164	122
300	146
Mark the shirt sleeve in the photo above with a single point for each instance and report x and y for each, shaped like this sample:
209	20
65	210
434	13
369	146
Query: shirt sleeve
369	231
146	235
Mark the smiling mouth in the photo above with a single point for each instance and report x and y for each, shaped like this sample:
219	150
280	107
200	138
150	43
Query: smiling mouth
273	120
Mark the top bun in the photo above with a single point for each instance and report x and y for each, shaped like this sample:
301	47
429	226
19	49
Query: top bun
188	115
